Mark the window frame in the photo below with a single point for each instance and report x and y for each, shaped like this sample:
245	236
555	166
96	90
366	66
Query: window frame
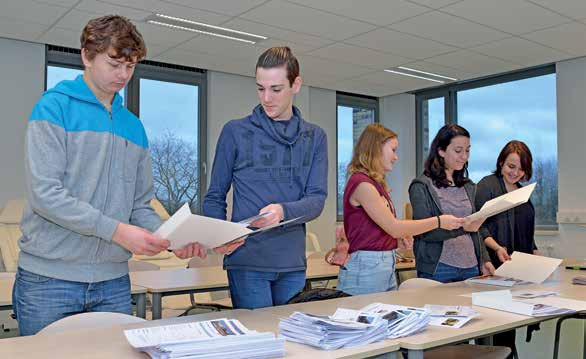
352	100
450	92
151	70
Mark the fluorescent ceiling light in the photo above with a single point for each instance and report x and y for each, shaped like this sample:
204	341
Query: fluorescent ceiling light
426	73
411	75
201	28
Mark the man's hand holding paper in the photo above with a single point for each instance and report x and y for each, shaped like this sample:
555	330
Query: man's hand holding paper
275	215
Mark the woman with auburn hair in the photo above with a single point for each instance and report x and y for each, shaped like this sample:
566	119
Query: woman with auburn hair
512	230
370	223
448	255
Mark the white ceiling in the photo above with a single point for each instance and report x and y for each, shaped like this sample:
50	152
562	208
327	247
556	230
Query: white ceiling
341	44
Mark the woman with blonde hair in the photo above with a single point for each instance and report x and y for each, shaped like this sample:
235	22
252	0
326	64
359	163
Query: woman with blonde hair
370	222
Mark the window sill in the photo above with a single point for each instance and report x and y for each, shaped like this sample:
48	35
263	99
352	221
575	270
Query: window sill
547	233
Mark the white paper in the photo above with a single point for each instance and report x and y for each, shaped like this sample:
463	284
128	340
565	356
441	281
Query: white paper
449	322
528	267
503	300
504	202
532	293
178	333
496	280
184	228
450	316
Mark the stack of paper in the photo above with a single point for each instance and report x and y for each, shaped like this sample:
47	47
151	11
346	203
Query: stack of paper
450	316
503	300
503	203
402	321
211	339
327	332
523	268
496	280
531	293
580	280
184	228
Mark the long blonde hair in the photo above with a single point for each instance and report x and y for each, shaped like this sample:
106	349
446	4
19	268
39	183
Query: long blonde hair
367	155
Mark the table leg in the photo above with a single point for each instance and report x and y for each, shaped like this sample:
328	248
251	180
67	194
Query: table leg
157	305
485	340
140	305
415	354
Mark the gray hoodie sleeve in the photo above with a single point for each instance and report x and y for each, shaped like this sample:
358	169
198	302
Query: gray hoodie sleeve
424	208
143	215
45	163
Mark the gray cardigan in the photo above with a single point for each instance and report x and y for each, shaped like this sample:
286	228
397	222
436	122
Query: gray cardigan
428	246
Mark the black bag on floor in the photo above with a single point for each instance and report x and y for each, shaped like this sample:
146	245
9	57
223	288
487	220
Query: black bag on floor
316	294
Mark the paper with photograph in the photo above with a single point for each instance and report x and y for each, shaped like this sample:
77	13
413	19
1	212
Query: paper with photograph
503	300
496	280
528	267
184	228
504	202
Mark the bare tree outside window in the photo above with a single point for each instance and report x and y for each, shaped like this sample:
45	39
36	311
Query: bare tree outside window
175	172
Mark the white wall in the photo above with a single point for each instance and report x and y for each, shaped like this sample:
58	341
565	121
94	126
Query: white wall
398	114
571	92
22	70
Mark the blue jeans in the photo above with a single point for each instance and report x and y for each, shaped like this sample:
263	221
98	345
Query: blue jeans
39	301
446	274
368	272
254	289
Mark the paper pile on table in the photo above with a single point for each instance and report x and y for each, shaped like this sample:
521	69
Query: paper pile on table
503	300
450	316
402	321
496	280
212	339
532	293
329	332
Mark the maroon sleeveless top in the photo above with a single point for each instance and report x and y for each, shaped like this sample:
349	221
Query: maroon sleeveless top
362	232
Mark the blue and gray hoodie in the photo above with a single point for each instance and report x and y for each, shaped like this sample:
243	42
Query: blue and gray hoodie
267	161
87	170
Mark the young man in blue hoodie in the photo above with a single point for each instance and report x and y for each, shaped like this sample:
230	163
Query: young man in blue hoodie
276	162
89	184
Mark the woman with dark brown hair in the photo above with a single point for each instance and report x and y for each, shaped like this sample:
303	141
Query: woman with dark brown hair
444	188
370	222
512	230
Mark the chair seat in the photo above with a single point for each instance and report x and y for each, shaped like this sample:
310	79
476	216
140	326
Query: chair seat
468	351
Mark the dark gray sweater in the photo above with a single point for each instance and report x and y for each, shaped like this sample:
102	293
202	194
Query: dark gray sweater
428	246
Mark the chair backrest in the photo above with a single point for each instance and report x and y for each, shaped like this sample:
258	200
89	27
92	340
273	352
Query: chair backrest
10	233
312	242
90	320
418	283
139	266
161	211
408	211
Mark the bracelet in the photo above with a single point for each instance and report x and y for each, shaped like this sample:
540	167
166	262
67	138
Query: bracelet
439	222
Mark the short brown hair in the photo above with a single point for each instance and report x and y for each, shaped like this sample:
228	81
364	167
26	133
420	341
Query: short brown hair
113	31
525	156
368	152
277	57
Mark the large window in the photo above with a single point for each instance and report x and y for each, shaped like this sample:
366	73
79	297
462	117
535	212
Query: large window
353	115
520	106
170	103
172	129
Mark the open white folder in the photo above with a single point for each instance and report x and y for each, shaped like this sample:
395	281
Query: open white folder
503	300
184	228
528	267
504	202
